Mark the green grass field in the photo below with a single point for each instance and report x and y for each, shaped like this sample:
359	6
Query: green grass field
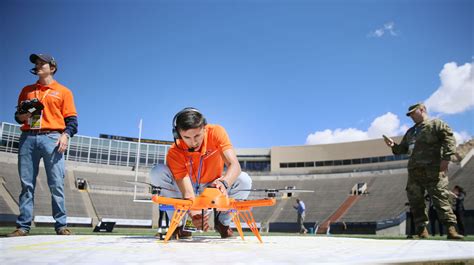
151	232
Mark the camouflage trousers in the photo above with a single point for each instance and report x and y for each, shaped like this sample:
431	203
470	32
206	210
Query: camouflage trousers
435	183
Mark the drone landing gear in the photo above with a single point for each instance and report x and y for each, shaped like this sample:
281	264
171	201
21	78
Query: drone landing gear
177	217
247	216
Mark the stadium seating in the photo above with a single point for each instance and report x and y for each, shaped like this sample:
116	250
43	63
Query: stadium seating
386	199
74	204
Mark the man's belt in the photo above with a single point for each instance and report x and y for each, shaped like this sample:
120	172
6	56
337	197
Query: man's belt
41	131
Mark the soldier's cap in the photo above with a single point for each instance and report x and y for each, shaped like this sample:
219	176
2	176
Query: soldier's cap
414	107
43	57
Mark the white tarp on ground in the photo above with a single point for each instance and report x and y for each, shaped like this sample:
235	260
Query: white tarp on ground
212	250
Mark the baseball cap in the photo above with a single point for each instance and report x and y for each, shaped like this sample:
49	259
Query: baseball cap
414	107
44	57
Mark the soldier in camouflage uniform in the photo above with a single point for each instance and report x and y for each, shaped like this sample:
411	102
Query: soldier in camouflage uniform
430	144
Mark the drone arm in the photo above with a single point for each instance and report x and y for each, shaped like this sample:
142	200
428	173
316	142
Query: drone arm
172	201
244	205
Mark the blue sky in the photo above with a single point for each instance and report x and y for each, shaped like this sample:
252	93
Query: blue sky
273	73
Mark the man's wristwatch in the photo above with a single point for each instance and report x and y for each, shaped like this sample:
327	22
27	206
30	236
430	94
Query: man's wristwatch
225	183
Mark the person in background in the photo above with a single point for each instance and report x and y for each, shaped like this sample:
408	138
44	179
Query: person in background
459	207
301	212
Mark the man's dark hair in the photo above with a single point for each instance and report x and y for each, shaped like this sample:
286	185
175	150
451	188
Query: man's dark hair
190	119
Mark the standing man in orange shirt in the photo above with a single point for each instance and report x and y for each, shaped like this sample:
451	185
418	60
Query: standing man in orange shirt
195	161
48	116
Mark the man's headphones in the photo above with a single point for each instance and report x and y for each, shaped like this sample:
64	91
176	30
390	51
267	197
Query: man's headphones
185	110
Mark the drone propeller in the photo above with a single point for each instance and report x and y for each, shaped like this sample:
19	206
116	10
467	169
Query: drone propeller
154	189
279	190
273	192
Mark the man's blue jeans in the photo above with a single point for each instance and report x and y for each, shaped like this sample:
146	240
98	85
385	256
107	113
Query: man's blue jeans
161	176
31	149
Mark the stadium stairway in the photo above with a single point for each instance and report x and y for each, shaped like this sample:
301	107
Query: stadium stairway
8	198
85	196
278	210
345	206
8	206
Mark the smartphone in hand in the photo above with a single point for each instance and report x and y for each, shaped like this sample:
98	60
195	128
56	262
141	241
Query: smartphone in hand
388	140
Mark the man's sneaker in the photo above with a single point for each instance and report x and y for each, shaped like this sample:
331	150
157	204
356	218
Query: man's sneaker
453	234
18	232
159	235
224	230
63	232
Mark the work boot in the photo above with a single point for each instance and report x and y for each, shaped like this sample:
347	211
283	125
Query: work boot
63	232
453	234
18	232
423	234
224	230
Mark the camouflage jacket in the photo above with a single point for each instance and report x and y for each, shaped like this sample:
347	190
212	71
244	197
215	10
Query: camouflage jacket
427	143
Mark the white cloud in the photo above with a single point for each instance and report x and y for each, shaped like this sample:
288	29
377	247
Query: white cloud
388	28
456	93
388	124
378	33
339	135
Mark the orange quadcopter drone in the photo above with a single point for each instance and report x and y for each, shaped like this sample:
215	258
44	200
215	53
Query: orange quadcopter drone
212	198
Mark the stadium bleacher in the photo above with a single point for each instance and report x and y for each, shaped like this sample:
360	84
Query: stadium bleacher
385	199
74	204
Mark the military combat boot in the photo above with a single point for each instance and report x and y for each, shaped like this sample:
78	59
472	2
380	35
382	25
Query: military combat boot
453	234
423	234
